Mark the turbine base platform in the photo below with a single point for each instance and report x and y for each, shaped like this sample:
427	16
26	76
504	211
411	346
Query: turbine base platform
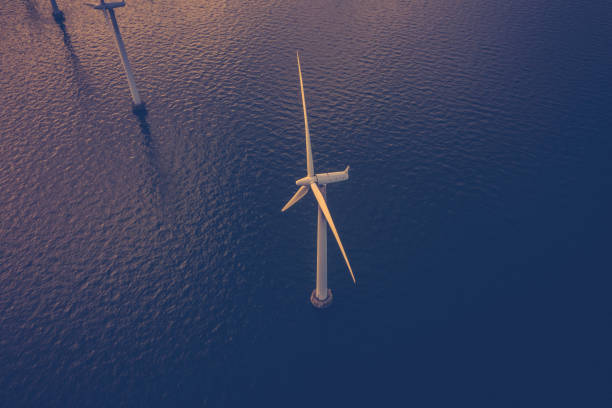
321	304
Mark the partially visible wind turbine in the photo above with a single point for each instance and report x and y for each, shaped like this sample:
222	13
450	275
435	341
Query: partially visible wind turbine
109	13
321	297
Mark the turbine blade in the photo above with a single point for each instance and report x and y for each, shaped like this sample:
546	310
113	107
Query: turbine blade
296	197
323	205
309	164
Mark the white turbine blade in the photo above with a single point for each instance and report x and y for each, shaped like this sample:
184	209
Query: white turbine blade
296	197
309	165
323	206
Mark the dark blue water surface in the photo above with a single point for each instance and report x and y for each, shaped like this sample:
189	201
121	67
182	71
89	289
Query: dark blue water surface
144	261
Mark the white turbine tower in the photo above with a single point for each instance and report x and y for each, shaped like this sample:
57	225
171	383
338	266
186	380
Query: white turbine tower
109	13
321	296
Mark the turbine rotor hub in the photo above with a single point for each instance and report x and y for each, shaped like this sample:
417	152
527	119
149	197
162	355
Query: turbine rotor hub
306	181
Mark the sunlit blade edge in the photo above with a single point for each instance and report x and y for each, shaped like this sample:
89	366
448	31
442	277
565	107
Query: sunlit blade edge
302	191
309	163
323	206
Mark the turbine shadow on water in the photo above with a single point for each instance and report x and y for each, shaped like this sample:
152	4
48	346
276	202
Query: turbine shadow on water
68	42
31	9
145	129
157	187
80	79
58	15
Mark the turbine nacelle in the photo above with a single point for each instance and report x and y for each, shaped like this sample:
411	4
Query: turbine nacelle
324	178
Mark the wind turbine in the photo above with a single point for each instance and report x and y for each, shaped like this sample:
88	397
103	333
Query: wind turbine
109	12
321	296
